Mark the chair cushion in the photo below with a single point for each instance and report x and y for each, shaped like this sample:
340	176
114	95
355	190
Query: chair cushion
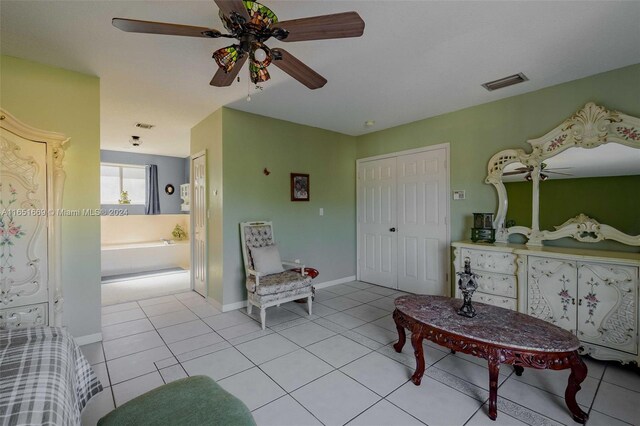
266	260
278	283
196	400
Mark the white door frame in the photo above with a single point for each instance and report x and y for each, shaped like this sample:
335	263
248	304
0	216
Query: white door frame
444	146
191	222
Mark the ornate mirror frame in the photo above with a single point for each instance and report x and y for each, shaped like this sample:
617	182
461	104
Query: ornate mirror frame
589	127
55	176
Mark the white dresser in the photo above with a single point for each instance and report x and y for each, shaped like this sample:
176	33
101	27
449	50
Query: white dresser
31	182
594	294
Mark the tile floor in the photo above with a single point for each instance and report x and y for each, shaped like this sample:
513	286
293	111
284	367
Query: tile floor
333	368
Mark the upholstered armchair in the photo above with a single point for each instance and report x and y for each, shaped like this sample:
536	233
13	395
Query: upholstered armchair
268	283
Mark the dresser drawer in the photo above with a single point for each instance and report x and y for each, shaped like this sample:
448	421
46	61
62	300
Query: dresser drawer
496	284
489	299
24	316
490	261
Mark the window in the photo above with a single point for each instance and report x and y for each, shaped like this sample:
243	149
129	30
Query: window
115	178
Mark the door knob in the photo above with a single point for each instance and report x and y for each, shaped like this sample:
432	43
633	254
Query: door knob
392	230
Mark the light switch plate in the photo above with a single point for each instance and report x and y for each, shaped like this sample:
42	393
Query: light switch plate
321	211
458	195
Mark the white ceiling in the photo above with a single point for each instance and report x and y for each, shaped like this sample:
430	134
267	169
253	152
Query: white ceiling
416	59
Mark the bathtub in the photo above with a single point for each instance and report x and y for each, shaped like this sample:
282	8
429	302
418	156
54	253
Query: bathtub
143	257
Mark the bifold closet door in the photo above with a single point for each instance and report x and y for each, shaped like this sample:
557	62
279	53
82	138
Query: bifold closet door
377	255
421	222
403	231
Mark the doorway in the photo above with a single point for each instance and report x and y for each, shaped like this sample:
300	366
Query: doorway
402	215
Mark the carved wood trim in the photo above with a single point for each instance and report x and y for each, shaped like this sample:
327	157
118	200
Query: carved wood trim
56	176
589	127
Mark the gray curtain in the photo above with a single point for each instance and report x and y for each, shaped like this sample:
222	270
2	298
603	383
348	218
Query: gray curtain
152	203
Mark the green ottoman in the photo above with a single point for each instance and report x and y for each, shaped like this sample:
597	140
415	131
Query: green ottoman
196	400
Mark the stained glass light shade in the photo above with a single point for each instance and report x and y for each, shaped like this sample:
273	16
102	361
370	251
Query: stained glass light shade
226	57
261	16
258	72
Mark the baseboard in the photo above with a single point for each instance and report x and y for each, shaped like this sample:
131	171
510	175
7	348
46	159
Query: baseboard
229	306
335	282
215	303
89	338
233	306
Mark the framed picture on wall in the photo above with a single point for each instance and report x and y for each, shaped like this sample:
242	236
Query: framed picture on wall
299	187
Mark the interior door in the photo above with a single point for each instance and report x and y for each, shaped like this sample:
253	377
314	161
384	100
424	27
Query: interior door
377	222
422	223
199	223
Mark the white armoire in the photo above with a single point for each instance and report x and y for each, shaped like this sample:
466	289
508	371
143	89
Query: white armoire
31	187
592	293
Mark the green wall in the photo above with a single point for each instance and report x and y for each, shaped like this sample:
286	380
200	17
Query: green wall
207	136
476	133
249	144
67	102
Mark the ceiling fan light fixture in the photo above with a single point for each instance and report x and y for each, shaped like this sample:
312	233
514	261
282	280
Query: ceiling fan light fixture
259	54
227	57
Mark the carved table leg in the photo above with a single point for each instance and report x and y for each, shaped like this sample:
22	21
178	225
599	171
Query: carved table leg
494	371
518	369
578	374
402	338
416	342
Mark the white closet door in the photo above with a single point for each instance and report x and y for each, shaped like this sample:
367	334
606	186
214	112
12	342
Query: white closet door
422	226
377	222
199	219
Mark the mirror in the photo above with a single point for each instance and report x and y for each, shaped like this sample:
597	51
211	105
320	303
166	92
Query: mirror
581	180
576	181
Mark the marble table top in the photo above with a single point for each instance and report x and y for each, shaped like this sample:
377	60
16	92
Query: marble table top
492	324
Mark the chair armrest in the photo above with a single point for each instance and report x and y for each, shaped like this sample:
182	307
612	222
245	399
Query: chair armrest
255	274
291	262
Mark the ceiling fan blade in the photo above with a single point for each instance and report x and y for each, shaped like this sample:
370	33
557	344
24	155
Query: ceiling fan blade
338	25
150	27
227	7
297	69
558	173
223	79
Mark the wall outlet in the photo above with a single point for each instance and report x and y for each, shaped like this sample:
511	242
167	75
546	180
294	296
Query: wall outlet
321	211
458	195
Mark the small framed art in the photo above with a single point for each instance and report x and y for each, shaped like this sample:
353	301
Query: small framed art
299	187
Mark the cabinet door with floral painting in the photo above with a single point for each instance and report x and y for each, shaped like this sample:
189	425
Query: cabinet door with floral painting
552	291
23	221
607	305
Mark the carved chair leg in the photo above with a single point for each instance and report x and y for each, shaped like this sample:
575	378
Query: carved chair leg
577	376
249	307
309	299
494	371
402	338
416	342
518	370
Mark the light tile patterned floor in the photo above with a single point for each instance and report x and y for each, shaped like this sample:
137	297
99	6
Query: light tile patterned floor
336	367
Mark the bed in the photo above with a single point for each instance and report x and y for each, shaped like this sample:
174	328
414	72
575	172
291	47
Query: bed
44	377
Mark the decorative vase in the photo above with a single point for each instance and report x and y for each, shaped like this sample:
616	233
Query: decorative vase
467	285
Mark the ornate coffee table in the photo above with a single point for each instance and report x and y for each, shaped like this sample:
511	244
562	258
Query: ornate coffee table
499	335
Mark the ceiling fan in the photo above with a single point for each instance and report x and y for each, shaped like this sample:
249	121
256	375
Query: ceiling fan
543	168
251	24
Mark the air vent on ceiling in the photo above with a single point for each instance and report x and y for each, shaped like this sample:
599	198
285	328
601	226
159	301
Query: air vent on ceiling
145	126
506	81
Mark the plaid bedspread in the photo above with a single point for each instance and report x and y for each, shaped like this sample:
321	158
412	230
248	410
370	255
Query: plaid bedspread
44	378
